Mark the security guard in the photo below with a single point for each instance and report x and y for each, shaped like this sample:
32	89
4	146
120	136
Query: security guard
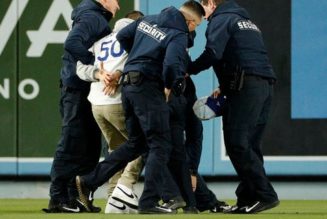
237	53
79	147
157	51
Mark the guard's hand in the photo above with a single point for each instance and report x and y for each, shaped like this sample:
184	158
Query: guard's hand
114	76
216	93
110	89
193	182
167	94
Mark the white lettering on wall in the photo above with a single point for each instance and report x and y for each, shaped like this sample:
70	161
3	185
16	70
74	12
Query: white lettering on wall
35	90
46	33
10	20
4	90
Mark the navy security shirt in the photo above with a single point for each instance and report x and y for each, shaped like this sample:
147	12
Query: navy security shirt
157	45
90	23
232	38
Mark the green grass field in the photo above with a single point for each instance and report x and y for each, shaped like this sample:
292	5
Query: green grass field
31	209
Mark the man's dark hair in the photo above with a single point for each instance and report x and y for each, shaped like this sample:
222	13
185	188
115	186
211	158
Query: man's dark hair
195	6
134	15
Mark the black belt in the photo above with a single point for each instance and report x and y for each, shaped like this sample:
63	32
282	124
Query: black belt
132	77
136	77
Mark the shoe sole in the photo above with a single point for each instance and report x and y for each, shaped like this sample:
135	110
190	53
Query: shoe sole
220	209
156	212
82	197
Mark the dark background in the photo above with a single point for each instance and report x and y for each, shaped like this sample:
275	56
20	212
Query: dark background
284	135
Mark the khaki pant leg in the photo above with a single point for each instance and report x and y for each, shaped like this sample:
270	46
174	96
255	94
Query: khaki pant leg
111	121
131	173
133	169
114	125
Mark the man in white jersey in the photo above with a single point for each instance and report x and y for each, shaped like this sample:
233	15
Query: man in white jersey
108	112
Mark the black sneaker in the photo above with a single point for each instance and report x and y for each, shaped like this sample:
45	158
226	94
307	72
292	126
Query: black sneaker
157	210
175	203
190	210
219	207
253	208
71	208
85	194
94	209
55	207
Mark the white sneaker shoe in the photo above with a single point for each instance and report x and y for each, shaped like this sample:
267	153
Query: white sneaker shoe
125	195
116	207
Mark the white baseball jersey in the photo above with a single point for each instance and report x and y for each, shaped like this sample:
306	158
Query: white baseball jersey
113	56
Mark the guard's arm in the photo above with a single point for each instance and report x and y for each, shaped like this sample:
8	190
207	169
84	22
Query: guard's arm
82	32
174	64
126	36
217	34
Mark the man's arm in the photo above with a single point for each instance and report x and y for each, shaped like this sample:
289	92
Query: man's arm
82	31
92	73
217	34
175	61
203	62
126	36
86	72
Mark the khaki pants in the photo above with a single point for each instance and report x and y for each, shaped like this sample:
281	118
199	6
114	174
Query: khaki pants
111	121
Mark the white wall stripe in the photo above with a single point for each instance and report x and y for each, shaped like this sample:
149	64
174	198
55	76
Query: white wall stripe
137	5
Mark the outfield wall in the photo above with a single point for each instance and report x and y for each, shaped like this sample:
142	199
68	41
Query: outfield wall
32	33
